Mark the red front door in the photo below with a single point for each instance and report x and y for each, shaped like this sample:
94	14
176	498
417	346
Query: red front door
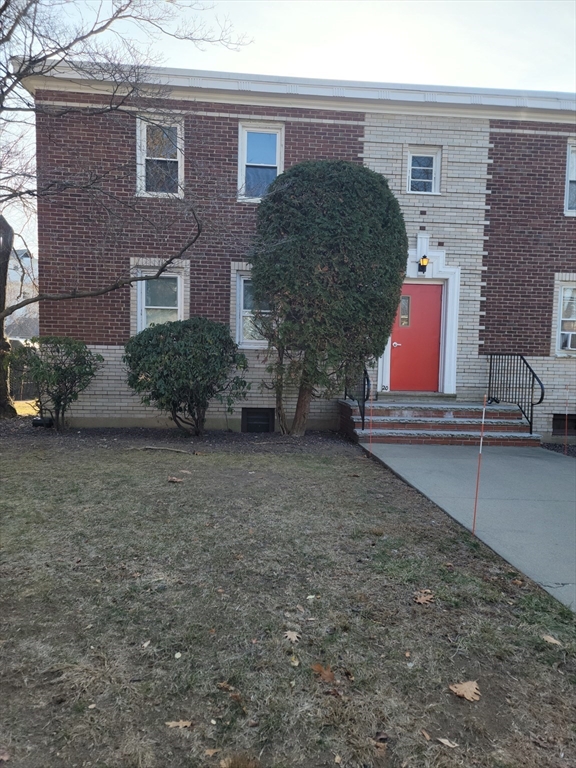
415	353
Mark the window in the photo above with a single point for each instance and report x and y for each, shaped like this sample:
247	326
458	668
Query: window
160	158
260	159
570	202
424	171
567	320
246	333
159	301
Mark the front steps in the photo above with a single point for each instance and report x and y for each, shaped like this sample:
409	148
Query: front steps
435	421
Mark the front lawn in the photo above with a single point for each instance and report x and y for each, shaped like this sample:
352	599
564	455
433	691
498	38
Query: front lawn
266	609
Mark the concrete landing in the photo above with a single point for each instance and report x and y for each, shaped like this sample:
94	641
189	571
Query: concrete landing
526	508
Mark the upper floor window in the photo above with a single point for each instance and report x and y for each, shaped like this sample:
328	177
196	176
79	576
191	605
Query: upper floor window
424	170
247	335
261	159
570	202
567	320
159	301
159	157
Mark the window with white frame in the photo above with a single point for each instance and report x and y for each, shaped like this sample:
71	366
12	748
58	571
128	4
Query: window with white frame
570	201
424	170
160	157
159	301
260	159
247	335
567	320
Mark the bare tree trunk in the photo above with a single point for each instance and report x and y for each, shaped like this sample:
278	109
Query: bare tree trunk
7	409
279	389
302	409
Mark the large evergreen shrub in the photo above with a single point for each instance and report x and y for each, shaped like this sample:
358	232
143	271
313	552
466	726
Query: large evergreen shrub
329	260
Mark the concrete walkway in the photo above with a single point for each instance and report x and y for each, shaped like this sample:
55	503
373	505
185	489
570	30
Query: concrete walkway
526	505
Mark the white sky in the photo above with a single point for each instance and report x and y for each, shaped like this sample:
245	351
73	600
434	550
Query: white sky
518	44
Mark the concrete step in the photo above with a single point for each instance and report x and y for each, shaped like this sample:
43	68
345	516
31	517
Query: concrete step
447	437
443	424
451	410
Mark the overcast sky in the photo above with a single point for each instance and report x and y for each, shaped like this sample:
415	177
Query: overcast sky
518	44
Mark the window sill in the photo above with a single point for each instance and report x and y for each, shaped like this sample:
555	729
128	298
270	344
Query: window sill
568	212
253	345
428	194
248	199
162	195
565	355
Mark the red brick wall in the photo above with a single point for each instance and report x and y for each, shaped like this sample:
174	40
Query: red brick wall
529	237
87	236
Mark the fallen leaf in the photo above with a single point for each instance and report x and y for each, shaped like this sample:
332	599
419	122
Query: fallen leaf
324	673
381	737
185	471
178	655
4	756
300	608
333	692
448	743
294	660
424	597
91	706
517	582
338	759
146	644
175	480
349	675
551	640
425	734
225	686
211	752
310	597
236	696
293	637
179	724
407	654
468	690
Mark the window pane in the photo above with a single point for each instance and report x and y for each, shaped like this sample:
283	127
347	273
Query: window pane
258	180
157	316
420	186
161	141
572	196
162	292
162	176
405	311
249	332
569	303
422	173
569	325
248	303
261	149
422	161
572	165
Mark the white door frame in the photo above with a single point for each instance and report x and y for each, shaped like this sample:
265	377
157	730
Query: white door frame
449	277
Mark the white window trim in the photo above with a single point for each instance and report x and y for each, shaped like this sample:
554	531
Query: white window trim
141	297
141	123
571	152
436	153
559	351
243	130
241	278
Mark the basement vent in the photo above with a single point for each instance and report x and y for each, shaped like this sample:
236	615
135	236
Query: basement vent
559	424
257	419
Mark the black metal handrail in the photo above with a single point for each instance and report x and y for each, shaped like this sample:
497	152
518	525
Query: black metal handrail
512	380
359	390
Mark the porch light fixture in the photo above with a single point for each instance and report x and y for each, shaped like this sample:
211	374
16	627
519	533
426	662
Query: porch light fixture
422	264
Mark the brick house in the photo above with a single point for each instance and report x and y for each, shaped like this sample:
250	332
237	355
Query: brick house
486	180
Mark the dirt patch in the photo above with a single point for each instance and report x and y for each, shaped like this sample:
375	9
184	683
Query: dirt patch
130	601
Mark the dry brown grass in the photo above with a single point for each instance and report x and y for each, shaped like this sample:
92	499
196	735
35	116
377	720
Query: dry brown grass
129	602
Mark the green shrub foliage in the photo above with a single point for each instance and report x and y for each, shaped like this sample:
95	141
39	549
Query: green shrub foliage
179	367
60	368
329	260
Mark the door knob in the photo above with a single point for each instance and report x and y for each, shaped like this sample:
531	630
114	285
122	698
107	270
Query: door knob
395	344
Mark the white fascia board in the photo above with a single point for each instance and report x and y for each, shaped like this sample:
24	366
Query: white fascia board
200	84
